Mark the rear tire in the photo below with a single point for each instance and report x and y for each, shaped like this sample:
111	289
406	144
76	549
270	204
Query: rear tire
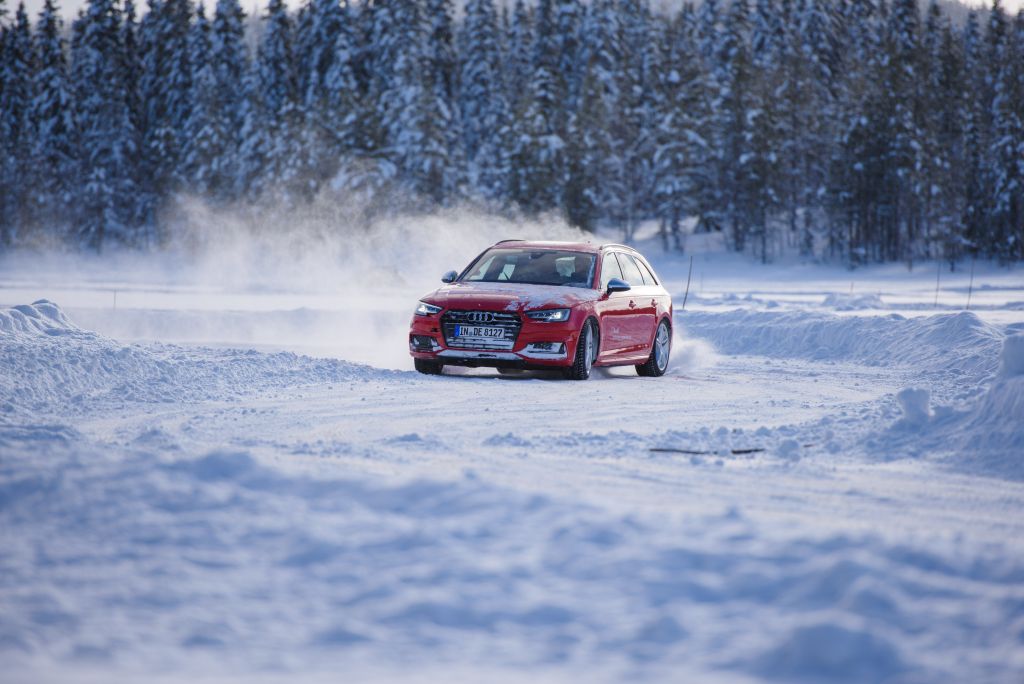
586	352
657	362
428	367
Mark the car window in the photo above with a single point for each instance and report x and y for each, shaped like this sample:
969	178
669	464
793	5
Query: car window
481	270
537	266
647	272
609	269
639	267
630	271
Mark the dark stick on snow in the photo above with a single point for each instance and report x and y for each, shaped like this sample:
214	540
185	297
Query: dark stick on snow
970	286
669	450
688	275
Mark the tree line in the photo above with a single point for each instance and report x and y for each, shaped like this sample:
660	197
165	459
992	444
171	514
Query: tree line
859	130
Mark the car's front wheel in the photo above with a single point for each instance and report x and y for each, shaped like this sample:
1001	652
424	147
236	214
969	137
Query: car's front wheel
657	362
586	352
428	367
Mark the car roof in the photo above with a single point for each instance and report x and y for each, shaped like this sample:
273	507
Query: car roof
588	247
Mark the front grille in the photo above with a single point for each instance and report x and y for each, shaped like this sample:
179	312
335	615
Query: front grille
490	319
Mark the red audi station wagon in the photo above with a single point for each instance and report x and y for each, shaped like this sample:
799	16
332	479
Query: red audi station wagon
546	306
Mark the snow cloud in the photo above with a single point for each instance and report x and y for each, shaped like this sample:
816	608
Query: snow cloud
321	279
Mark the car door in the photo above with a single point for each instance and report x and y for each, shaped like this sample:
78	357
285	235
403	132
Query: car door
642	306
643	302
612	312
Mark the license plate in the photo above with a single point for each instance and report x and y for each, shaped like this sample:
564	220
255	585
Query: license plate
479	331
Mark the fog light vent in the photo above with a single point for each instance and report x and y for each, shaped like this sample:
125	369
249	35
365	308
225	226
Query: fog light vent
423	343
553	348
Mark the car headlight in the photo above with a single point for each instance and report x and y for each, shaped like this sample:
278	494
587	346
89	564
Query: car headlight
425	309
549	315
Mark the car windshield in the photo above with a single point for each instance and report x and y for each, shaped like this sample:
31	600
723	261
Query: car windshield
534	266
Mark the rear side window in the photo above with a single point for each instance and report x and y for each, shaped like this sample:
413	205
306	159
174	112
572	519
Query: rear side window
647	273
609	269
630	270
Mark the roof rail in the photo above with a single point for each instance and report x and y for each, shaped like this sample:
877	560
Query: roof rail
616	244
501	242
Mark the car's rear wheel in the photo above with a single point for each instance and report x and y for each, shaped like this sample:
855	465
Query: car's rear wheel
586	352
428	367
657	362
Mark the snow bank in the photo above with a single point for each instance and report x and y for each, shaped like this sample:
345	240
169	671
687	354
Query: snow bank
991	435
1012	359
40	317
986	437
848	302
48	365
916	406
959	342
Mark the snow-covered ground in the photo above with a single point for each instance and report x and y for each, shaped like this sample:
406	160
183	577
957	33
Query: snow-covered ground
235	476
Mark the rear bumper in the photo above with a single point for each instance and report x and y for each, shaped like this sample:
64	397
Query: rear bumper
426	341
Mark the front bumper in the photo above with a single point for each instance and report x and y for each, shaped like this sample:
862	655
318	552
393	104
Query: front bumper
537	346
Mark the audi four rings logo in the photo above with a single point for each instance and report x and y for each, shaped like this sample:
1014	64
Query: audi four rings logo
480	317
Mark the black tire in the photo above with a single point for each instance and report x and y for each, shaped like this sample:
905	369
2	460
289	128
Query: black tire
428	367
661	348
581	364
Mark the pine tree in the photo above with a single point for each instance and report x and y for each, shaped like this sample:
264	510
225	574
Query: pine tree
53	161
165	91
482	105
205	139
132	63
537	161
230	63
976	181
901	81
732	105
942	131
16	94
681	149
413	113
441	80
517	59
109	146
760	178
1007	238
289	166
342	97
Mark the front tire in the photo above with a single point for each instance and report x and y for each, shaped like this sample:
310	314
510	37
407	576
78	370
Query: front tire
428	367
657	362
586	352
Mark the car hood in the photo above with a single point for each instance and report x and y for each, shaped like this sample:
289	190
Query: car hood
508	297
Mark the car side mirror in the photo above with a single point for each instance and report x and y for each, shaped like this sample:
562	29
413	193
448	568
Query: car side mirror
449	277
618	285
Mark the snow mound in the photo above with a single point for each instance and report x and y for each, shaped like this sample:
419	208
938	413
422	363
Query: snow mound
848	302
960	342
832	653
916	406
1012	359
41	317
991	434
50	366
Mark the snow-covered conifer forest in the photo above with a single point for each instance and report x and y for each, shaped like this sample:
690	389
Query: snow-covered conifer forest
855	130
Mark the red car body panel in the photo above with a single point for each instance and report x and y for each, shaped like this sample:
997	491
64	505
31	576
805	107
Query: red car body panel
627	321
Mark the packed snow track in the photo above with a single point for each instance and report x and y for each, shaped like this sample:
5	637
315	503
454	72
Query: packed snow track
806	496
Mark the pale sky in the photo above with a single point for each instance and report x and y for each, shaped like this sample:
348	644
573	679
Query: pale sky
70	7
